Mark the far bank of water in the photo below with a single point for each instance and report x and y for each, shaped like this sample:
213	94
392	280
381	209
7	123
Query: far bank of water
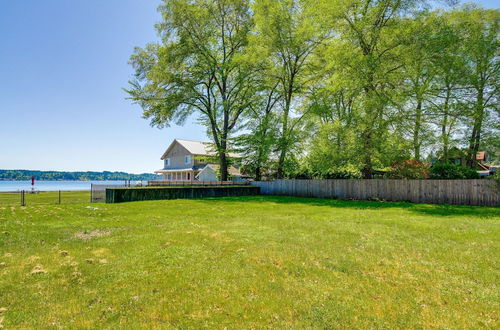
52	185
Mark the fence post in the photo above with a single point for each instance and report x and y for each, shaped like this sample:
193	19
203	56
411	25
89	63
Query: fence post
23	203
91	190
59	197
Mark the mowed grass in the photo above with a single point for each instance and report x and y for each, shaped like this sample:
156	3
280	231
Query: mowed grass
46	197
249	262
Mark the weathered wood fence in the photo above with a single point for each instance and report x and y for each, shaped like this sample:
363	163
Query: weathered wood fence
466	192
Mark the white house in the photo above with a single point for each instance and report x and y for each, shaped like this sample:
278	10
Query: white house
186	160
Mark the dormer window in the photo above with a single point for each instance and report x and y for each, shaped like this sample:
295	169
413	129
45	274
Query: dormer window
167	162
187	159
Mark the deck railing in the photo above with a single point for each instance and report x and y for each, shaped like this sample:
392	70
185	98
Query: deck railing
162	183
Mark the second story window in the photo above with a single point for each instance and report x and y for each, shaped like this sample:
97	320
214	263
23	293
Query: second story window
187	159
167	162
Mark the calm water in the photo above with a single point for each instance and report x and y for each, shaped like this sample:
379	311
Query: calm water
51	185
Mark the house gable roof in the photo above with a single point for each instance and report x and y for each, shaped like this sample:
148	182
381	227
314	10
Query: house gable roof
195	148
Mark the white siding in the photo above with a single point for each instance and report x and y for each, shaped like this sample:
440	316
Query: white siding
208	174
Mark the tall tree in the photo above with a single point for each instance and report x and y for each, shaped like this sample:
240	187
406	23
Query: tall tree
257	144
198	68
289	34
447	91
420	48
371	29
481	50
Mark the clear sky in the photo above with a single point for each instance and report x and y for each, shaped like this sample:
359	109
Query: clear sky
63	64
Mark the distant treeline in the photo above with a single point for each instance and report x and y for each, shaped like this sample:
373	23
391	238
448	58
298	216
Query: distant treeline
82	176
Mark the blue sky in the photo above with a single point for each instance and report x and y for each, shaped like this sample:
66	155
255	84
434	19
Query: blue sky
63	66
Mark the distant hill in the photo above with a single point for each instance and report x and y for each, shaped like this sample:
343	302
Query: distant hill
20	175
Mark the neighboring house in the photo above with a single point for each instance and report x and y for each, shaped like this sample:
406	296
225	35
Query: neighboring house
185	160
459	157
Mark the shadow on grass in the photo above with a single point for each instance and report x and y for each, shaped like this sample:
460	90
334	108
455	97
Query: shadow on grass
430	209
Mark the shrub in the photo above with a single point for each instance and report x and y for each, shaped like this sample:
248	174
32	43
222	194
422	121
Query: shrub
346	172
302	173
496	176
451	171
408	169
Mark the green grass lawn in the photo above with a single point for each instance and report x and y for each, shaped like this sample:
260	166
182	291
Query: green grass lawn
46	197
249	262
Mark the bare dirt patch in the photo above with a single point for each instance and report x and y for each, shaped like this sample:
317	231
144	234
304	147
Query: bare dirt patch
38	269
86	235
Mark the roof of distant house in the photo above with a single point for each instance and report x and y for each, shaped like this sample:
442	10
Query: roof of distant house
481	155
231	169
196	148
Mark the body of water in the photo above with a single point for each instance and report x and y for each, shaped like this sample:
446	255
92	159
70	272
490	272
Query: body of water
52	185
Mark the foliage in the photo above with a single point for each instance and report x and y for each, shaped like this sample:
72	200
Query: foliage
451	171
332	146
324	83
257	144
410	169
496	176
301	173
24	175
199	67
346	172
287	34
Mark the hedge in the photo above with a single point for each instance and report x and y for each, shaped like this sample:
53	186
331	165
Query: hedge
120	195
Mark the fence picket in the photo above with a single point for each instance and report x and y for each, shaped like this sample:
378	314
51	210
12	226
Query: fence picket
466	192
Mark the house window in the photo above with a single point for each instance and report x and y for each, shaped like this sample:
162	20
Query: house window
167	162
187	159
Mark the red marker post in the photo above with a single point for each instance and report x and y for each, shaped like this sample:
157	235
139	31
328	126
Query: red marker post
32	183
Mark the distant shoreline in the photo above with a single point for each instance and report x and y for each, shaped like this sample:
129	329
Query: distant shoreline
76	180
25	175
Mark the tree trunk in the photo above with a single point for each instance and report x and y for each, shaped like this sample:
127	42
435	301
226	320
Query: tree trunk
258	173
284	138
223	166
416	131
367	170
475	139
444	125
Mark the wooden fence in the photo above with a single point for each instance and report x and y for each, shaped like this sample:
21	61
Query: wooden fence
467	192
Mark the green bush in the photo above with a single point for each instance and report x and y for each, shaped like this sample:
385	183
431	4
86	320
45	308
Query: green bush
408	169
450	171
301	173
346	172
496	176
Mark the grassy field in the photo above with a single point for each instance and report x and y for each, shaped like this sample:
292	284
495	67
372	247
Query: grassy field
46	197
249	262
